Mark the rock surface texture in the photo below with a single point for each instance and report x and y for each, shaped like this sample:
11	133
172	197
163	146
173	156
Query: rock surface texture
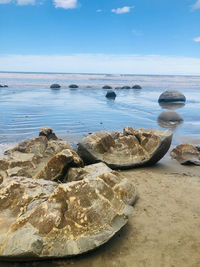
50	206
125	150
186	154
171	96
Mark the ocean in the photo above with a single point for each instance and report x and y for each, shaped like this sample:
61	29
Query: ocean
28	104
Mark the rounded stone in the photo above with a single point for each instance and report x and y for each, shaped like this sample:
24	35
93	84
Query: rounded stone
136	86
111	94
55	86
73	86
106	87
126	87
171	96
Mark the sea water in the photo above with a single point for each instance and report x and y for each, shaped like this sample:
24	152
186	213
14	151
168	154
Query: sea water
29	103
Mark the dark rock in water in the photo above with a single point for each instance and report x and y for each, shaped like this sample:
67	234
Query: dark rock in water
136	86
106	87
171	96
186	154
126	87
111	94
73	86
55	86
48	133
118	88
41	218
125	150
169	119
5	85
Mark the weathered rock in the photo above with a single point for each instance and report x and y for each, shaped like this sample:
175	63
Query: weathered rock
186	154
169	119
56	167
126	87
73	86
111	94
171	96
55	86
136	86
48	132
106	87
30	156
124	151
43	219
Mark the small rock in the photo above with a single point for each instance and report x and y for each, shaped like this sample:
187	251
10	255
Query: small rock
73	86
48	132
186	154
136	86
126	87
111	94
55	86
106	87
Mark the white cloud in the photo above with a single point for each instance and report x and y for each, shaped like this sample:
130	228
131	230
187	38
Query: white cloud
5	1
25	2
66	4
122	10
197	39
196	5
101	63
99	10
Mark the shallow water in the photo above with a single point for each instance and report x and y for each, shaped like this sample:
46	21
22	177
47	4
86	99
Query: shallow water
28	104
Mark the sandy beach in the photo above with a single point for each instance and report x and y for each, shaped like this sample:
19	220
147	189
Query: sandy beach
163	229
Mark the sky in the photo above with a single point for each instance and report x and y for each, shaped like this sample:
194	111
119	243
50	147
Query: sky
100	36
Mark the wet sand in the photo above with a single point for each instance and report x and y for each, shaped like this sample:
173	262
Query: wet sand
163	229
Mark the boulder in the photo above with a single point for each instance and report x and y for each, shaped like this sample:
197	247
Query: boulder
55	86
41	219
111	94
171	96
169	119
5	85
73	86
125	150
118	88
126	87
48	133
136	86
186	154
106	87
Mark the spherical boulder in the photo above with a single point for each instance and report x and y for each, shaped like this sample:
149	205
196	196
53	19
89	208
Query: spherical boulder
55	86
169	119
171	96
73	86
126	87
136	86
111	94
106	87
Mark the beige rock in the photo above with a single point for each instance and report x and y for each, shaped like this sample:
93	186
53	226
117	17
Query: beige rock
125	150
186	154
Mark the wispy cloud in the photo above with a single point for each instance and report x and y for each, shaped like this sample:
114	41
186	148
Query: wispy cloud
197	39
25	2
66	4
196	5
5	1
122	10
101	63
99	10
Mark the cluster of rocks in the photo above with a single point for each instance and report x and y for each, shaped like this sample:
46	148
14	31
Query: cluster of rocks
136	86
53	205
3	85
170	100
58	86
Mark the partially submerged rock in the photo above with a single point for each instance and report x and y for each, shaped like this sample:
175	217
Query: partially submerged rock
73	86
111	94
55	86
106	87
172	96
126	87
125	150
136	86
186	154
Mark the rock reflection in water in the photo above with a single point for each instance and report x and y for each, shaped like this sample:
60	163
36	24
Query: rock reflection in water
169	119
172	106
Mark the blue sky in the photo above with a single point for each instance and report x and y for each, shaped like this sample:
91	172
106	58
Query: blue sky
116	36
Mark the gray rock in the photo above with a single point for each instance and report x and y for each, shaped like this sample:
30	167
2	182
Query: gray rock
171	96
136	86
55	86
123	151
73	86
126	87
106	87
111	94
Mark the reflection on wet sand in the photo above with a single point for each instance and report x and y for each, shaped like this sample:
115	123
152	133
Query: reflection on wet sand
170	119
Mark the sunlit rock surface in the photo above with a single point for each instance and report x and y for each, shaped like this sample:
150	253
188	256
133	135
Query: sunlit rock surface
125	150
186	154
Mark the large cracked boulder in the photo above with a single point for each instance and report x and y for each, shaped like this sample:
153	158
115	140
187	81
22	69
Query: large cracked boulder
125	150
52	207
186	154
44	219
